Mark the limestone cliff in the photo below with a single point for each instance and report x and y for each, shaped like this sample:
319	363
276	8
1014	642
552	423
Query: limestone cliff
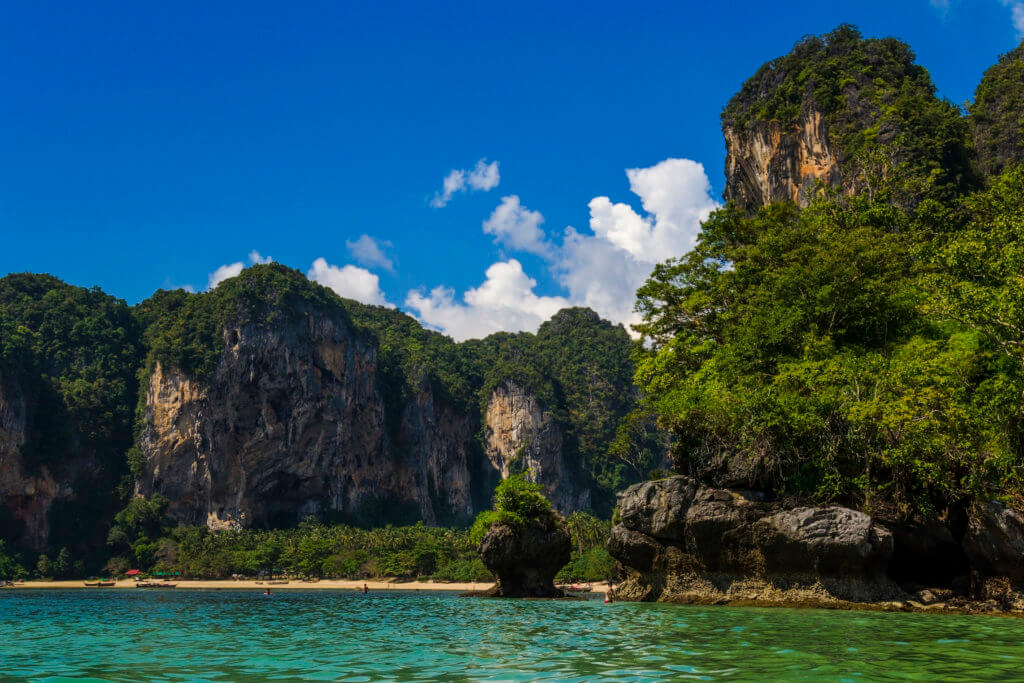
269	398
29	493
523	437
292	423
854	113
28	497
768	161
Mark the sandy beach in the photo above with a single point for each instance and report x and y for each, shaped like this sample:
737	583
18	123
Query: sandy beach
252	584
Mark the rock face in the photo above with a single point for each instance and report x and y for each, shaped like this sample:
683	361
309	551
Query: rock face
681	542
28	494
292	423
522	436
28	497
767	161
994	542
526	559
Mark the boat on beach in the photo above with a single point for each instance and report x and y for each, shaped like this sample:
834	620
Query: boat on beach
578	588
100	583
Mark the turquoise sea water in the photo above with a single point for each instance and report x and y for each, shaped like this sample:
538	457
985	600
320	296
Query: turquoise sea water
323	635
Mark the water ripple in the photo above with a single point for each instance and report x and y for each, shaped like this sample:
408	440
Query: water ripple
391	636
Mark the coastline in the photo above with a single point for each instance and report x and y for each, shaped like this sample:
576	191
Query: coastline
797	600
252	584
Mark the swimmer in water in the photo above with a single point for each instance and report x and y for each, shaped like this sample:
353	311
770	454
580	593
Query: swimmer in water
267	592
365	589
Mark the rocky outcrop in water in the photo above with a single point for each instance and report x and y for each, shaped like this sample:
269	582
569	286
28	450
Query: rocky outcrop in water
526	558
678	541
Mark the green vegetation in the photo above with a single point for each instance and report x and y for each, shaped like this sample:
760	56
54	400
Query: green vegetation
590	561
873	99
807	351
187	330
72	353
998	114
517	502
866	349
327	551
11	565
83	359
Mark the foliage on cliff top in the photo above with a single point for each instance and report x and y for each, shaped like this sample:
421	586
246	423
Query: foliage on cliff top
518	502
187	330
795	345
410	357
74	351
871	95
997	114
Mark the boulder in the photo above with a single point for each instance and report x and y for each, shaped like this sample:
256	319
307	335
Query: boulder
994	541
832	541
718	527
526	558
633	548
658	508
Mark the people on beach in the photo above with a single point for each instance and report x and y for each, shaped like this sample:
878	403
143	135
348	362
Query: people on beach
365	589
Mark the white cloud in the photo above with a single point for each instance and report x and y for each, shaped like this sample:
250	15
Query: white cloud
516	227
601	276
676	196
505	301
368	252
1017	13
484	176
229	270
601	269
254	258
351	282
224	272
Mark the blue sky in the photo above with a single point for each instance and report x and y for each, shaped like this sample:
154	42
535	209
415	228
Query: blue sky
156	144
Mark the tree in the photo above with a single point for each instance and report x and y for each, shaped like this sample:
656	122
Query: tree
791	350
517	502
979	279
995	114
116	566
44	568
64	564
10	565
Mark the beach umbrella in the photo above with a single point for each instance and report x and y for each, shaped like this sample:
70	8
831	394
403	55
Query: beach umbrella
132	572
